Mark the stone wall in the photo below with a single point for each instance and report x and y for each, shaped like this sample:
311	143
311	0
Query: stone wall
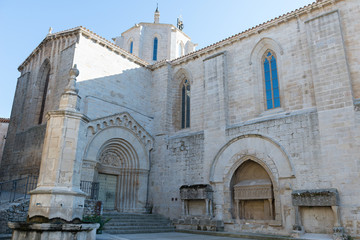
308	143
4	124
24	149
18	211
109	83
176	161
25	134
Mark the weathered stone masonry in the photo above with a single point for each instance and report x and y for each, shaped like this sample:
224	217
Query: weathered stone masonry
235	141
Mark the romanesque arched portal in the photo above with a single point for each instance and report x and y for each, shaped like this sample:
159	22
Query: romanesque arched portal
119	173
117	156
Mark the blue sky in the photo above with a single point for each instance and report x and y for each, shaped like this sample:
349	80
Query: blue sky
25	23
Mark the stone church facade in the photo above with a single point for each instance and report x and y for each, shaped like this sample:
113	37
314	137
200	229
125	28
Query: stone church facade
258	132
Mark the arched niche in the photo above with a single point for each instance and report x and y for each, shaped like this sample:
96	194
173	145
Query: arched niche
42	83
252	192
260	149
259	146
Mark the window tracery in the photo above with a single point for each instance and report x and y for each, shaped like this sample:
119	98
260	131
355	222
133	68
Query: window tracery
272	92
185	104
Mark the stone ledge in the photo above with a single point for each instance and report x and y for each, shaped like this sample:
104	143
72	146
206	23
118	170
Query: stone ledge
315	197
35	231
24	226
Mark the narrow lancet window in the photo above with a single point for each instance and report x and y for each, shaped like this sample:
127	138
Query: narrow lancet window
271	81
43	82
185	105
155	49
131	46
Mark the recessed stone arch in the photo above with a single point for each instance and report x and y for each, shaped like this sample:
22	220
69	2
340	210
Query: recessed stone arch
255	61
115	132
261	46
181	75
118	149
179	78
259	146
272	174
42	83
260	149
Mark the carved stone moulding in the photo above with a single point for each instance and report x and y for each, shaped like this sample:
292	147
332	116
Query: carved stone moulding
316	197
253	189
197	191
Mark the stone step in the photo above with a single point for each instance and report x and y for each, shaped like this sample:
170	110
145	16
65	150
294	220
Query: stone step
134	219
137	223
121	223
126	216
135	227
137	220
134	231
5	236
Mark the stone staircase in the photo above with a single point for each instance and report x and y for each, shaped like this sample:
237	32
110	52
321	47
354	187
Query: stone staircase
125	223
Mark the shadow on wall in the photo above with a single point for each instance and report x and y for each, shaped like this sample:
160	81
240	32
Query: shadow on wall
129	91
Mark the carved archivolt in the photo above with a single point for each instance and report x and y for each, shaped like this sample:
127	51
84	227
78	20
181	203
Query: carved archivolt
110	159
117	152
121	120
120	158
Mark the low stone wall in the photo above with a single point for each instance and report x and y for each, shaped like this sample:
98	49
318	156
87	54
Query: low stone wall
92	207
198	223
14	212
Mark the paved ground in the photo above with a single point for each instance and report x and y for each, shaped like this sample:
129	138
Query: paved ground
162	236
177	235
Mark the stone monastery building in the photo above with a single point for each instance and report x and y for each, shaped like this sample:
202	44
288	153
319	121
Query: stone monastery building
259	132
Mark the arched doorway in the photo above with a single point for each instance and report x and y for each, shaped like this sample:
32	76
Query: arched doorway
117	156
118	175
252	192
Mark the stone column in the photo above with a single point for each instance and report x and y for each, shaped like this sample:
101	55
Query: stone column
271	208
298	229
207	207
211	208
237	208
58	193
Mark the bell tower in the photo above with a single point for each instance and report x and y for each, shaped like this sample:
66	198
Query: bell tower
156	41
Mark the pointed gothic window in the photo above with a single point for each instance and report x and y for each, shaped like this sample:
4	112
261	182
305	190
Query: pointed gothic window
155	48
271	80
44	75
185	104
131	46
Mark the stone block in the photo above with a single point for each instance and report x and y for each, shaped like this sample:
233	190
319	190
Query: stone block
315	197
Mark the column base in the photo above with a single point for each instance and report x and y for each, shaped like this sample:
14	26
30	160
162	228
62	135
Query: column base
298	231
57	202
339	233
33	231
